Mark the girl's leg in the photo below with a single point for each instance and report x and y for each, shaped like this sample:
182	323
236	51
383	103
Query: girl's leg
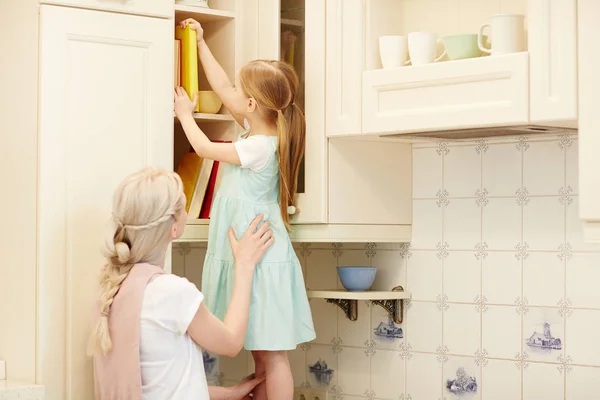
260	391
279	382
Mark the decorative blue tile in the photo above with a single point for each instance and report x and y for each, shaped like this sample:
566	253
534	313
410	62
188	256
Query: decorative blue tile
321	372
462	384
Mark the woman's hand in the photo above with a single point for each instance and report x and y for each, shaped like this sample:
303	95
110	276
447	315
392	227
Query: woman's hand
249	250
244	388
183	104
195	25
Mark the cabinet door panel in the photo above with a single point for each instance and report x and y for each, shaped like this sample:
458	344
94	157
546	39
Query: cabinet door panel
344	66
105	111
553	62
157	8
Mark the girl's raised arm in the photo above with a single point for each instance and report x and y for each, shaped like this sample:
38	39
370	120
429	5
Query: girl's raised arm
216	75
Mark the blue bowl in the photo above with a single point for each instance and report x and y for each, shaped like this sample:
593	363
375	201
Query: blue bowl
357	279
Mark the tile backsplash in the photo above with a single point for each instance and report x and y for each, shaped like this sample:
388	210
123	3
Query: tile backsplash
505	299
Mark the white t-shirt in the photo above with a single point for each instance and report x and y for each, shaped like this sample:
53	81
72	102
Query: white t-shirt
254	152
171	362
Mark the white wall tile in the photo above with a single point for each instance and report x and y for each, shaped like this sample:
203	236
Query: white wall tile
462	224
501	223
501	332
424	276
322	354
355	333
544	324
298	365
543	279
543	381
501	380
462	277
572	166
501	278
391	270
234	369
424	377
543	168
427	224
462	328
580	325
583	277
324	319
581	382
502	169
464	368
383	340
354	371
322	273
462	171
424	326
544	223
427	173
387	374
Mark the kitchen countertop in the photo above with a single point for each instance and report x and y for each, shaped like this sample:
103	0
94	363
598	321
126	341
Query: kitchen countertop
10	390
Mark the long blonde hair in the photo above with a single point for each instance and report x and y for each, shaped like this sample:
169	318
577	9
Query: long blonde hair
145	206
274	84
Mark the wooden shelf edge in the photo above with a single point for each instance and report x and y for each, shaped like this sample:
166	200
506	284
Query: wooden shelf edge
291	22
322	233
367	295
203	14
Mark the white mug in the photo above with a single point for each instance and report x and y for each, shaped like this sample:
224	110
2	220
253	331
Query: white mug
508	34
422	47
393	51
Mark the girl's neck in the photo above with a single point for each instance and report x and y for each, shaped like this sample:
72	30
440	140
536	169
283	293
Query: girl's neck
262	127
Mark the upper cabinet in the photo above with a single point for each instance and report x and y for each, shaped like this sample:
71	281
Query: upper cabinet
155	8
589	118
437	81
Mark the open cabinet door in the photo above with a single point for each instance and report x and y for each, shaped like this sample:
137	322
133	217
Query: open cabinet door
303	24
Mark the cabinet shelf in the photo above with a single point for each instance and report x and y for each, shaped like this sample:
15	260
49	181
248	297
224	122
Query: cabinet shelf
201	14
391	301
201	117
291	22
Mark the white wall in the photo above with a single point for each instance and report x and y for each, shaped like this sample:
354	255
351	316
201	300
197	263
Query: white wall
18	152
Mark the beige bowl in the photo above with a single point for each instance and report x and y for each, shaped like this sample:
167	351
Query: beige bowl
209	102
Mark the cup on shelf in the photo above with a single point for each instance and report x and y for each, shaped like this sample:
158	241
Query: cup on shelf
508	34
422	47
462	45
393	51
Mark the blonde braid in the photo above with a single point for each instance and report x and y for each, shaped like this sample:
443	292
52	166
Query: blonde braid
132	243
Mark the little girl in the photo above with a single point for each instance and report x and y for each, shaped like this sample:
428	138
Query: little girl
260	176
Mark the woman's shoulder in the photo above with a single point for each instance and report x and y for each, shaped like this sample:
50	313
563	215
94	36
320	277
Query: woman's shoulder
167	284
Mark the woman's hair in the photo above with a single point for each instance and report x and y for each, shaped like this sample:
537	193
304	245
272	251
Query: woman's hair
274	84
145	206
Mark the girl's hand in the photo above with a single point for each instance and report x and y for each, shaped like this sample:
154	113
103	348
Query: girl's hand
183	104
195	25
249	250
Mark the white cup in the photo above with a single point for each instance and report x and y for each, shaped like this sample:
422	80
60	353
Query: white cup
422	47
508	34
393	51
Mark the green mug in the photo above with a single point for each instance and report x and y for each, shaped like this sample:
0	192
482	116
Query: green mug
462	45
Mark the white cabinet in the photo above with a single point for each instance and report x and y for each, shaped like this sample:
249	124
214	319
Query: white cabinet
589	118
105	107
536	88
156	8
344	65
553	62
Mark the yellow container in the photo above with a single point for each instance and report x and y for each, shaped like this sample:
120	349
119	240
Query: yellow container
189	60
209	102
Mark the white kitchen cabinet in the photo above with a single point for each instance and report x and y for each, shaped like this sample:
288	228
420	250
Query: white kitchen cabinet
156	8
534	90
105	108
589	118
552	47
344	65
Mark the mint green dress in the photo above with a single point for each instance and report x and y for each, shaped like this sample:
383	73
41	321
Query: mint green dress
280	316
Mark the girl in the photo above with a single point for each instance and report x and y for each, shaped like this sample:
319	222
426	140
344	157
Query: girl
261	175
148	322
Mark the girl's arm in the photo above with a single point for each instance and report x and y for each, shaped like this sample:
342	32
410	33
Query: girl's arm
218	79
223	152
227	337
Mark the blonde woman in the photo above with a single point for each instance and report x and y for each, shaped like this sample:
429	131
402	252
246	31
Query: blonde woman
150	324
261	175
